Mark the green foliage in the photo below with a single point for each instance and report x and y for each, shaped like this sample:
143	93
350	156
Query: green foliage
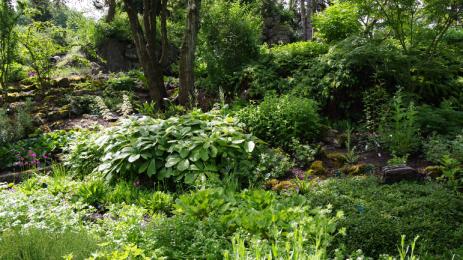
176	150
377	215
452	172
277	120
436	147
443	120
181	237
375	101
83	154
338	21
227	27
276	66
17	126
273	164
118	29
93	191
398	160
38	48
35	244
157	202
338	79
121	81
8	43
304	154
263	215
289	58
398	129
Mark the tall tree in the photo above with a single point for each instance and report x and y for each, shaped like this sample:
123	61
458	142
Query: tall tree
187	52
111	10
8	42
153	55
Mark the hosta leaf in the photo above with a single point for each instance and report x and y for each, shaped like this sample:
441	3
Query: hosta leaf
134	157
183	165
204	154
143	167
184	153
238	141
190	178
151	168
172	160
250	146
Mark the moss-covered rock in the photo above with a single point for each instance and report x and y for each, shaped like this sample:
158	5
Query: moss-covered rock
434	171
317	168
358	169
337	158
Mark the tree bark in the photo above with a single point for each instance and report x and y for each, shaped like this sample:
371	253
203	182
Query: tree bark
187	52
111	11
304	20
152	58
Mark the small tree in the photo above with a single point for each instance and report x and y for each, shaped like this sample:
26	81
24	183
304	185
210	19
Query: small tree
39	48
8	42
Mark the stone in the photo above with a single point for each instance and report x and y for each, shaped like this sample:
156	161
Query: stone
316	168
63	83
395	174
358	169
433	171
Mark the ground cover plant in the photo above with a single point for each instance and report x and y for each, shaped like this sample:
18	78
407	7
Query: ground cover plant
231	129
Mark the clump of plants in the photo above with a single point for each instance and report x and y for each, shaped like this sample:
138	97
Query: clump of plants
398	129
278	120
175	151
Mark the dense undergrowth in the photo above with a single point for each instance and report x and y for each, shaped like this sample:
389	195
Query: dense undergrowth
329	130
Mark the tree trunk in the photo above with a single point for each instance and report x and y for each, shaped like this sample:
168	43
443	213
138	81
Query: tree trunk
304	20
111	11
187	52
152	58
310	11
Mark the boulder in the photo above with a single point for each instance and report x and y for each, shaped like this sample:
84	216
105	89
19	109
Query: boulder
395	174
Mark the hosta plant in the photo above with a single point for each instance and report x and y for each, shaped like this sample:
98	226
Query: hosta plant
175	150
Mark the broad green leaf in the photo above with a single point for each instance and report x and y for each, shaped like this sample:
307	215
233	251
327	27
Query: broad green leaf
250	146
183	165
190	178
143	167
172	160
134	157
152	168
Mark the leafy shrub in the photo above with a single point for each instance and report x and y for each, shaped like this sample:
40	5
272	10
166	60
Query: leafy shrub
304	154
338	21
443	120
338	79
295	56
123	191
273	72
398	129
181	237
262	215
273	164
437	147
377	215
226	28
41	244
83	154
35	151
157	202
118	29
277	120
93	191
121	81
18	126
178	149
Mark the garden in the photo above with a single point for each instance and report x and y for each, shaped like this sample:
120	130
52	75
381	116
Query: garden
231	129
